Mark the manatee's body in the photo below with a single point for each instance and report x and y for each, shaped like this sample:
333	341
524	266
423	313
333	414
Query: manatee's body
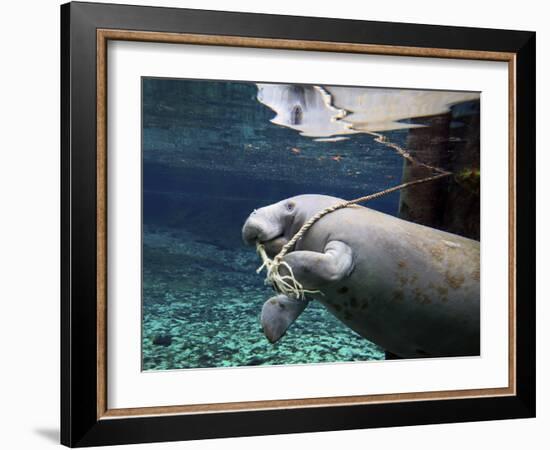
411	289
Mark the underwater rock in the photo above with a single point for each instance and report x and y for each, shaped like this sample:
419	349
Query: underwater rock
255	361
162	339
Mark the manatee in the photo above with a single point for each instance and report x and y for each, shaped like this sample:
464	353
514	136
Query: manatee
411	289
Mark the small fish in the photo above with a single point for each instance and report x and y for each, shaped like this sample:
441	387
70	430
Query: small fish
295	150
336	158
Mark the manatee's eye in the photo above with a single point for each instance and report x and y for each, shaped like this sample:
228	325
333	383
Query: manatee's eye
290	206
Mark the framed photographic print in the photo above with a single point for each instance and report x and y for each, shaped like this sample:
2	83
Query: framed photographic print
276	224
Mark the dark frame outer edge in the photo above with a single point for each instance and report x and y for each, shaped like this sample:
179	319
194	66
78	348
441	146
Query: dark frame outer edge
79	293
526	224
65	228
79	425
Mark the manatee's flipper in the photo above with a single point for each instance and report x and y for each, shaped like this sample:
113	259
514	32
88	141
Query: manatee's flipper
314	270
278	313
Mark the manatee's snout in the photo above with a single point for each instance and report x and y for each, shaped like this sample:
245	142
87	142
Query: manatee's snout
251	231
260	227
